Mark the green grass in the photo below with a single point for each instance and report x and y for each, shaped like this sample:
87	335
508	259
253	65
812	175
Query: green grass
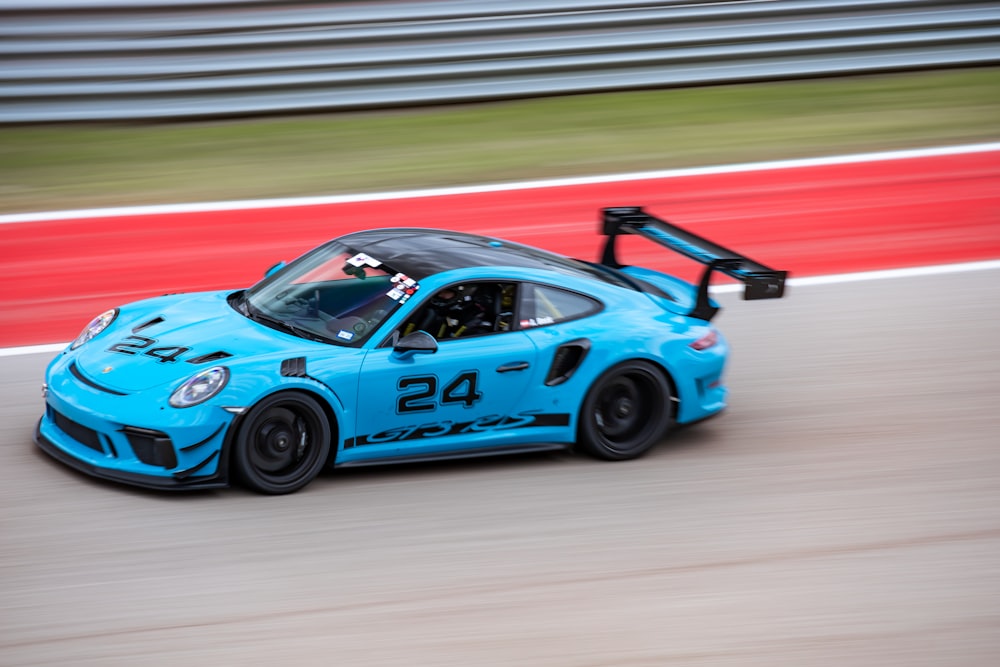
48	167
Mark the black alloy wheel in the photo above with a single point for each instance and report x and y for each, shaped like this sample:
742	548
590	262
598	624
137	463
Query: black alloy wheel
626	412
282	444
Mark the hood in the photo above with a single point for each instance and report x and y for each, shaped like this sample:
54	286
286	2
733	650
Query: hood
168	339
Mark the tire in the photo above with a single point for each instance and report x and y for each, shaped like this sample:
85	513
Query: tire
282	444
626	412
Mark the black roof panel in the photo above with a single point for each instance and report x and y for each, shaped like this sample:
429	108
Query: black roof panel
423	252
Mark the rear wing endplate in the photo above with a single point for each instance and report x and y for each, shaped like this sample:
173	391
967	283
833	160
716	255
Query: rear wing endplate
761	281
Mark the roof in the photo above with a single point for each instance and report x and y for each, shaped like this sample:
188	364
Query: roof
424	252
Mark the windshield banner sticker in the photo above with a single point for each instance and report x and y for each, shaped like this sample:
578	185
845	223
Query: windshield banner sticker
361	259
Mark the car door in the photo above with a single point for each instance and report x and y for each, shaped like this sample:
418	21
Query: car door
466	394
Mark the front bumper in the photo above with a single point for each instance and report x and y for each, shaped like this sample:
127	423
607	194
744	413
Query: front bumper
133	438
214	481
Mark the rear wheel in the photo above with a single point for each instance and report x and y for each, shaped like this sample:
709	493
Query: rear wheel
626	412
282	444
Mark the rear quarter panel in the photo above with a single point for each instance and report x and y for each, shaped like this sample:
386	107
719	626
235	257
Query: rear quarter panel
634	325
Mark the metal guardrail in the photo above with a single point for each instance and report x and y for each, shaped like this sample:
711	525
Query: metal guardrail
93	60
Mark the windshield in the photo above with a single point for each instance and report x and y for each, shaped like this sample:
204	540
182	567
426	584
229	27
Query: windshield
333	294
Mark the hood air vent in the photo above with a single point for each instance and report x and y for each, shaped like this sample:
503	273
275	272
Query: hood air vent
146	325
210	357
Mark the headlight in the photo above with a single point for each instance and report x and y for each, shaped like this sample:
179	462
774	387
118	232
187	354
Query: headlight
96	326
200	388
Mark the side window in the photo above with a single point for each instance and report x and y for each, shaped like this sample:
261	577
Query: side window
541	305
465	310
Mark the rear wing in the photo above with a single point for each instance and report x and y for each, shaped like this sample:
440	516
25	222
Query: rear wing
761	281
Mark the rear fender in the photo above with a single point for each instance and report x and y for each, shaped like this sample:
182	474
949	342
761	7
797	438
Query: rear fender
683	295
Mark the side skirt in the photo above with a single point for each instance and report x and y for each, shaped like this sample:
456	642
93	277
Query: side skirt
462	454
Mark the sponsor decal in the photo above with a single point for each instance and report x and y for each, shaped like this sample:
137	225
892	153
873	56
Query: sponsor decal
403	287
536	322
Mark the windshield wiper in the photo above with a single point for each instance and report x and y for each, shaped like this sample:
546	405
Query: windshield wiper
257	315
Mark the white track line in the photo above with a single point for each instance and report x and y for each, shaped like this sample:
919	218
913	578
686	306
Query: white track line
32	349
915	272
500	187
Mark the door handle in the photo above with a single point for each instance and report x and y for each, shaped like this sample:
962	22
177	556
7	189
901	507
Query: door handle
512	366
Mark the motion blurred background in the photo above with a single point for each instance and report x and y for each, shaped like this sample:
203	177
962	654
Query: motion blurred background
118	102
846	508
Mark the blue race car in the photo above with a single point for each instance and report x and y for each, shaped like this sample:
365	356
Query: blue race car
397	345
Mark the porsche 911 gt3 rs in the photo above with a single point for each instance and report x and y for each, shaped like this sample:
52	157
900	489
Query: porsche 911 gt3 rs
396	345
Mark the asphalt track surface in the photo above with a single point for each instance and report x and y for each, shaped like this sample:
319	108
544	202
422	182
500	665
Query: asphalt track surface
844	510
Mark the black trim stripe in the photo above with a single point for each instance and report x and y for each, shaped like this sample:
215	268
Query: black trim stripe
78	374
457	454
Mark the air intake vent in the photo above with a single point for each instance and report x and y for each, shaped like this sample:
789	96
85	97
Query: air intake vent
567	359
146	325
79	432
210	357
151	447
294	367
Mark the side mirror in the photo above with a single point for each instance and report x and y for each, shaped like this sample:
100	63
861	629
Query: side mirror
418	342
274	269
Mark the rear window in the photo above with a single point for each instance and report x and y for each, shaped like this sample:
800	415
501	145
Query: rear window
542	305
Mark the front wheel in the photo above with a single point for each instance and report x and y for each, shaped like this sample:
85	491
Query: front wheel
626	412
282	444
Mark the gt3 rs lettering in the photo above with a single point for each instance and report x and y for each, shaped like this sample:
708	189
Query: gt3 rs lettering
461	389
450	427
133	345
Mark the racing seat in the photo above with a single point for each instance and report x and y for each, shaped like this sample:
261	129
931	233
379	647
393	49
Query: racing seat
465	310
